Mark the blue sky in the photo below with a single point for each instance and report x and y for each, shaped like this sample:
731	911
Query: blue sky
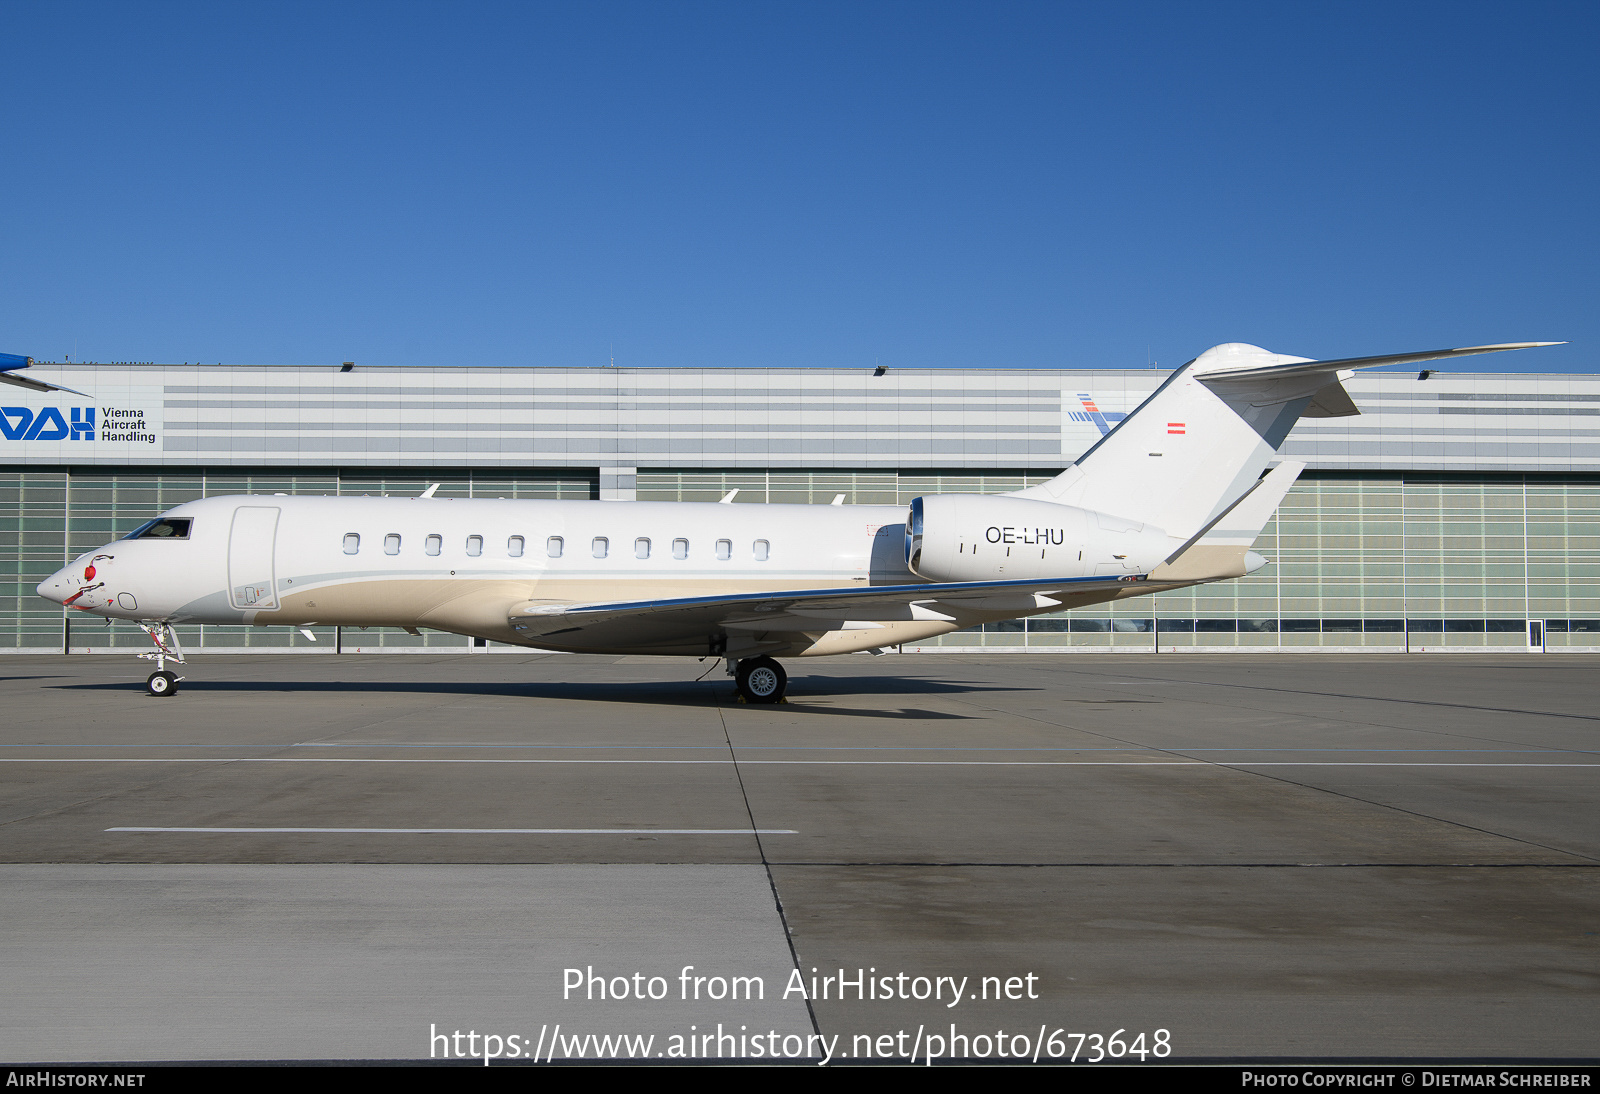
704	184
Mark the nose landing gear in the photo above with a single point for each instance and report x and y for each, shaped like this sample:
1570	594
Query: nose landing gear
161	682
759	679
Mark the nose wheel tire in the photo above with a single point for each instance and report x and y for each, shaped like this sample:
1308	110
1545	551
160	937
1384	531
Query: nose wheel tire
761	680
162	684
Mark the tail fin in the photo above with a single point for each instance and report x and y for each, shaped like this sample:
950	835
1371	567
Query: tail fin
1222	549
1201	441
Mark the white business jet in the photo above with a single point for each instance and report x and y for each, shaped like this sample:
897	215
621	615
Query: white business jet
1173	496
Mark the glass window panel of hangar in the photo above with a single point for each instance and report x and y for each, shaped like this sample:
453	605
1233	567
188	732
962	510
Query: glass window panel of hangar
1537	546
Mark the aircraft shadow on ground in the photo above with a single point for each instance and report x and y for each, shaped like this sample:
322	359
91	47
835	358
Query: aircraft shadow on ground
803	699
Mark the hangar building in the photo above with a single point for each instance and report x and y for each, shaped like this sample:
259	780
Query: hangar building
1459	512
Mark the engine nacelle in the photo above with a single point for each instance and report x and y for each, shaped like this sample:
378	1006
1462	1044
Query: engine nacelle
980	537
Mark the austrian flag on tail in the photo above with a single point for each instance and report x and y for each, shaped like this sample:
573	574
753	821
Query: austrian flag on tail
1175	427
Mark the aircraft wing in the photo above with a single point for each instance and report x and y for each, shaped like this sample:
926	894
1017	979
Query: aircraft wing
13	362
642	622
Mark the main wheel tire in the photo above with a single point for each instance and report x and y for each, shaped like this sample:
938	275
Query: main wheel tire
162	684
761	680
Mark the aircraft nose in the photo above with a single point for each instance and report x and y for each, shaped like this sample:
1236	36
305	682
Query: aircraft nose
55	587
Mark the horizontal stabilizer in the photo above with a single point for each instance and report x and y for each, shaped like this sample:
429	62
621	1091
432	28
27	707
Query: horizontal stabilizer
1302	367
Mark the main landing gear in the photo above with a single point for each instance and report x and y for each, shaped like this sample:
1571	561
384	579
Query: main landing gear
161	682
760	679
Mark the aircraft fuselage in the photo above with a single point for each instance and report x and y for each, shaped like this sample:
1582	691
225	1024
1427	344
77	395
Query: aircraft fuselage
456	564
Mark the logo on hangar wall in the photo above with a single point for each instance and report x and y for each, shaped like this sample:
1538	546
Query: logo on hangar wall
1088	416
48	423
1102	420
21	423
116	425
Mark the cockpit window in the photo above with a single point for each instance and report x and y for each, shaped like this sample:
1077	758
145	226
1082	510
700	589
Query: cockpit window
161	528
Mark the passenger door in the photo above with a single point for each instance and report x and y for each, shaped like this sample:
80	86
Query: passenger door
252	583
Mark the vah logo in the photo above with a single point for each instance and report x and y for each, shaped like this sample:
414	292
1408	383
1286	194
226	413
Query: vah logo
20	423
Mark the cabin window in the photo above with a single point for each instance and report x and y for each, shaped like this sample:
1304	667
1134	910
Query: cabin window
432	544
514	546
641	548
552	546
352	542
474	546
724	549
680	548
761	548
391	543
601	546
